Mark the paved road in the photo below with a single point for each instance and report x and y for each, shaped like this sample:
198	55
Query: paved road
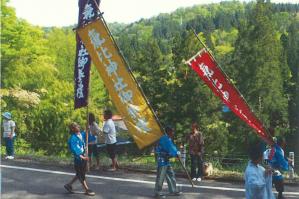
27	180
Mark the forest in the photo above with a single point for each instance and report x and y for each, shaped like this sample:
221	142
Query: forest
256	44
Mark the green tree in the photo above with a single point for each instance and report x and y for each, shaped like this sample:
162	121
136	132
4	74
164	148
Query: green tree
258	58
292	51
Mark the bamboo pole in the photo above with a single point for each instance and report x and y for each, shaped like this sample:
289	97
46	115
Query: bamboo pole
189	178
87	121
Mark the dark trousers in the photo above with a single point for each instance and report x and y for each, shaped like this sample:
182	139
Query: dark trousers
80	169
279	186
196	166
9	143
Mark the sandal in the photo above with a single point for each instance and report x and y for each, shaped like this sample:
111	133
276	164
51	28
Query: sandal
89	192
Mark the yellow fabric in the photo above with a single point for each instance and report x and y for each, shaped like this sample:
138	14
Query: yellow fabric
121	86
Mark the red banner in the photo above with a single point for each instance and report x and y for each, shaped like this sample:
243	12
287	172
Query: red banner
206	68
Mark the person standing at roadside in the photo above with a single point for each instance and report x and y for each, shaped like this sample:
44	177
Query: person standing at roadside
9	134
92	143
77	144
110	138
196	150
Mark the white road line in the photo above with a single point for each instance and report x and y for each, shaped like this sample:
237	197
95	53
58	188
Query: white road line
129	180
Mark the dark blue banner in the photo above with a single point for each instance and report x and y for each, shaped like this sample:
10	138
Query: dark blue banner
88	11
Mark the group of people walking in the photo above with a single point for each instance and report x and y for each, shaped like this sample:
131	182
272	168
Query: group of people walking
165	149
258	179
77	145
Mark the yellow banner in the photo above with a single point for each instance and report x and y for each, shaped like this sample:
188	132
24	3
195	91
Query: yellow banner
123	89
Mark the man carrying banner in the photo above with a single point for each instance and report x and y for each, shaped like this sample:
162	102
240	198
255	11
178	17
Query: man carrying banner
279	163
165	149
77	146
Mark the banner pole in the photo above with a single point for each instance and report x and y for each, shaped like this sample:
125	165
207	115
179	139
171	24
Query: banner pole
189	178
226	76
87	121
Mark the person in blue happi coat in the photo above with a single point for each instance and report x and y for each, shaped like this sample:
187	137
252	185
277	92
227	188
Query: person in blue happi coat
77	146
166	149
278	163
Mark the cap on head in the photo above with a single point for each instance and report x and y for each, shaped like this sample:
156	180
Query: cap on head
7	115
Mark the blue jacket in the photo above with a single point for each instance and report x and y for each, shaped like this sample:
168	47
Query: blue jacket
278	162
77	147
165	150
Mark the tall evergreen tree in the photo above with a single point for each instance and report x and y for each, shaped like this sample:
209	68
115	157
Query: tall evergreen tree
292	48
257	56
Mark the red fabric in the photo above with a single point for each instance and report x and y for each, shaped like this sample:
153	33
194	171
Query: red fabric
207	69
272	153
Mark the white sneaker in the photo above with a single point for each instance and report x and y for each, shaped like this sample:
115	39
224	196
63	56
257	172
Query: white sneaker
10	157
6	157
198	179
193	179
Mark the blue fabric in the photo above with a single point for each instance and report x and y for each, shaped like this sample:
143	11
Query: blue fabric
165	150
278	161
278	177
9	143
257	184
77	147
91	138
7	115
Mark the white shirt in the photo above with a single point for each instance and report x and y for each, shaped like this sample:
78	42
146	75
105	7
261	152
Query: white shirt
109	131
266	154
257	185
8	127
79	135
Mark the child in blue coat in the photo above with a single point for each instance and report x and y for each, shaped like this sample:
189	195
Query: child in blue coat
77	145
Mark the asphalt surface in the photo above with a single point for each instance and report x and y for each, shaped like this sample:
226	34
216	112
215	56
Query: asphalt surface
29	180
